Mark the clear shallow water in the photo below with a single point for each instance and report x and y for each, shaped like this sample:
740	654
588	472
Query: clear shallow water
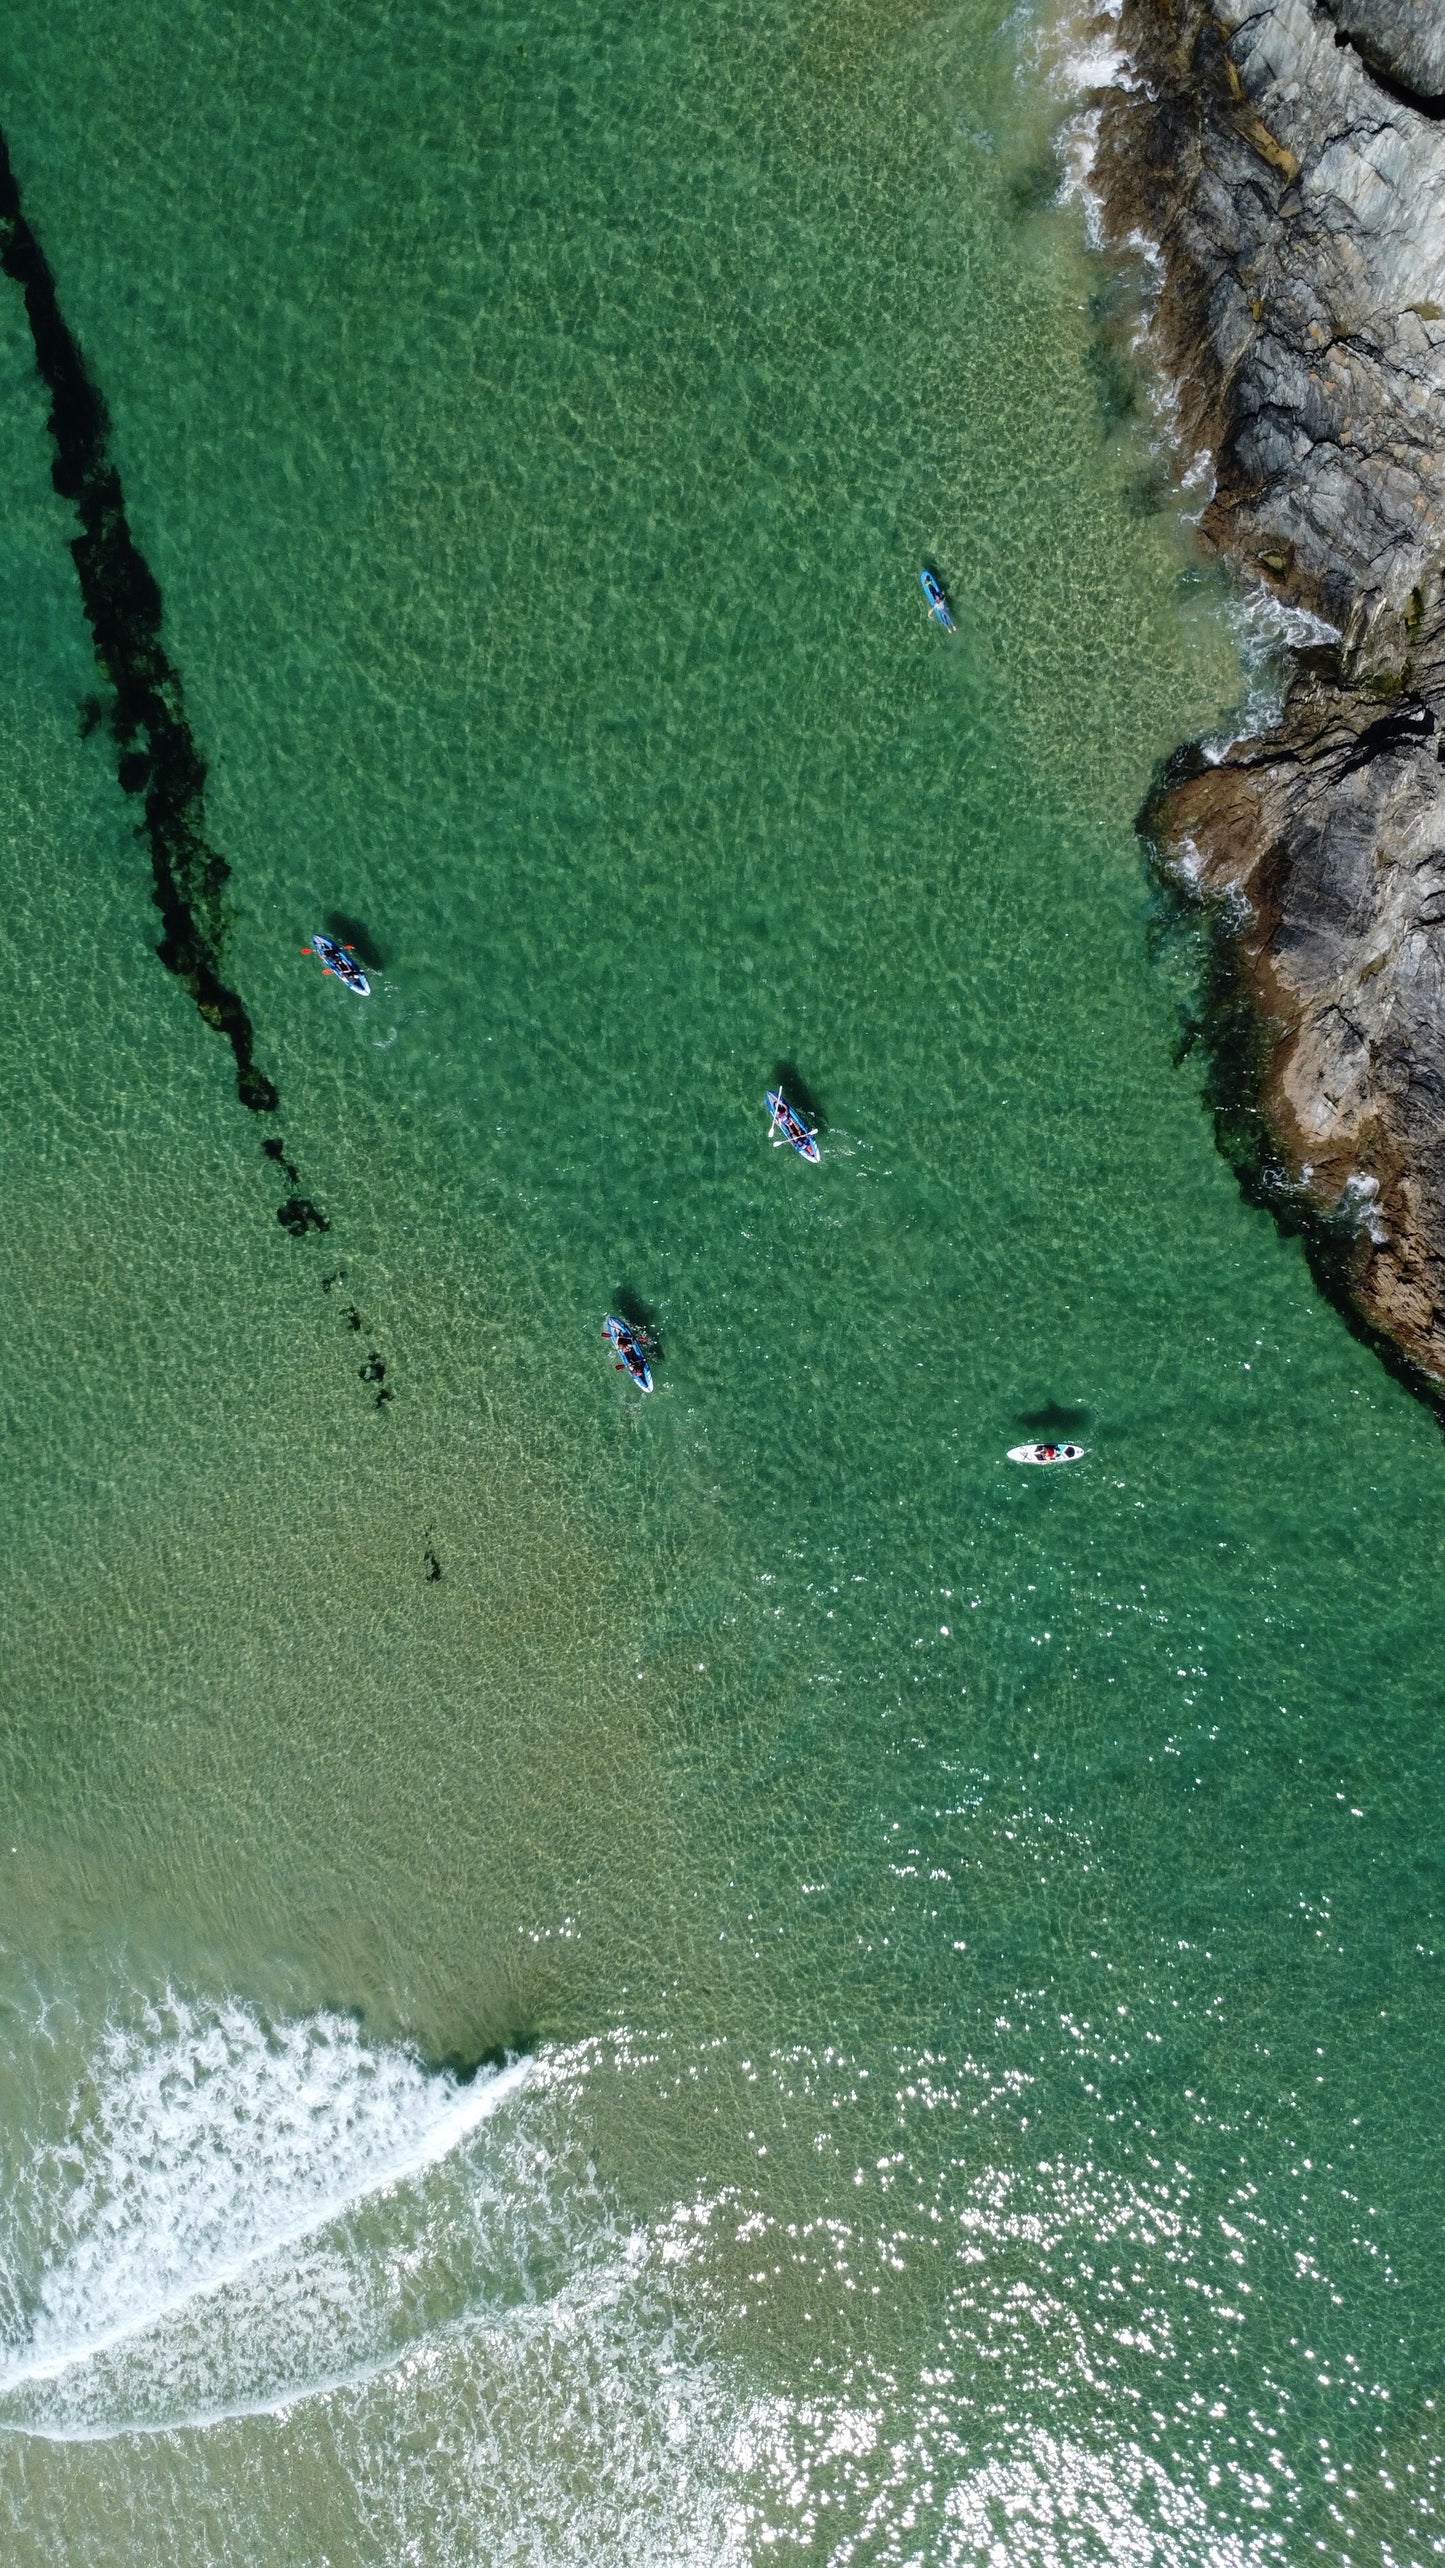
977	1927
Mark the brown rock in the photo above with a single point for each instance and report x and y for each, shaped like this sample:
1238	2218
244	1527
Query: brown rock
1299	209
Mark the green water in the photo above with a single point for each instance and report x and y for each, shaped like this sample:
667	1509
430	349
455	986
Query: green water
973	1928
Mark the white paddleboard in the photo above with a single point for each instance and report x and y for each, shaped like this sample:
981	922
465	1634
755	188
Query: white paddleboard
1047	1453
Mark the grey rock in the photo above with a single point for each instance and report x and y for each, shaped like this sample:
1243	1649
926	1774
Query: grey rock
1297	199
1402	41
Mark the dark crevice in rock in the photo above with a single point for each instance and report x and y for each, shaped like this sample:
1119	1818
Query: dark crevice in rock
1375	67
1410	728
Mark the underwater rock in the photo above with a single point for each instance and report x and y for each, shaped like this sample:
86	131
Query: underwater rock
157	753
298	1216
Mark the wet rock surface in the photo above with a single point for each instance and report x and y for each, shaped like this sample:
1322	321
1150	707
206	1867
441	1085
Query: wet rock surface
1297	200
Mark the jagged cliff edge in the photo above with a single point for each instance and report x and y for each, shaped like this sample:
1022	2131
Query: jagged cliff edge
1285	163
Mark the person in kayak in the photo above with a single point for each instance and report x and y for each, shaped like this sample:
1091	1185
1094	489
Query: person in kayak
932	588
790	1125
339	960
628	1350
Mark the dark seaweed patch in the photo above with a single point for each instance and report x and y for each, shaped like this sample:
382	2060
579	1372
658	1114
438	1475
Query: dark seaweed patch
431	1566
1149	491
374	1369
122	602
298	1216
275	1148
1034	185
517	2044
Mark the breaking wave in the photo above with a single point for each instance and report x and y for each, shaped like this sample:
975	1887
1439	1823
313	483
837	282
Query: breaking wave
188	2227
1268	631
224	2227
247	2261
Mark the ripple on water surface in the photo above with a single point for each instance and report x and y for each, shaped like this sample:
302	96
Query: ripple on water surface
967	1935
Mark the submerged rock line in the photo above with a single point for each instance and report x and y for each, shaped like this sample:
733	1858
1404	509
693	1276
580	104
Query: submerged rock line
158	757
1286	163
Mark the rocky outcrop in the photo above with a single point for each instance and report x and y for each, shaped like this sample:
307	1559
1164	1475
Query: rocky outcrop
1401	42
1288	162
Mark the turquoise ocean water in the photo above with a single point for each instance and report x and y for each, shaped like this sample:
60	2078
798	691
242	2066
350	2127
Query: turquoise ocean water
963	1938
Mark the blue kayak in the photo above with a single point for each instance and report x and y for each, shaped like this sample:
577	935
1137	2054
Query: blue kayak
627	1347
788	1125
340	960
937	602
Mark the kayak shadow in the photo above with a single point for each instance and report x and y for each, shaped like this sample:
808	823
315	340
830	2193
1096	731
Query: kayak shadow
641	1318
355	933
1054	1423
789	1078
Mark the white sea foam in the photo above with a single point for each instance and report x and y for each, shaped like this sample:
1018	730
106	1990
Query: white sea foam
1080	58
1360	1203
1267	631
1075	58
1269	623
438	2312
564	2311
1084	58
292	2235
205	2151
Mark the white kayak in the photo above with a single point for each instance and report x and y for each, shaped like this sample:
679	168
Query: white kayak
1047	1453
